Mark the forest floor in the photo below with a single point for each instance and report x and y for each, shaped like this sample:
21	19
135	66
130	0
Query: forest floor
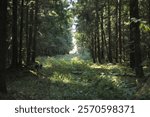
73	77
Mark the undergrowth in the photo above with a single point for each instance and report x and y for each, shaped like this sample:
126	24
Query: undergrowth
71	77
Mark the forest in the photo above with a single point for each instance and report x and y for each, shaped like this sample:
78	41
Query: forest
74	49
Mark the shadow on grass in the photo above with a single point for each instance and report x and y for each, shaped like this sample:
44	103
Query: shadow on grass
70	80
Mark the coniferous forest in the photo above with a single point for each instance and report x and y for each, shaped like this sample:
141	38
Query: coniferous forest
74	49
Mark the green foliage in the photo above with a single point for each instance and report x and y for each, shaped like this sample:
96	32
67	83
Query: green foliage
144	27
85	12
70	77
55	33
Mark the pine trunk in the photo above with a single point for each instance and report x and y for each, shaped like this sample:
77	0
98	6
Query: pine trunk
21	32
35	31
109	35
120	33
3	37
135	38
102	35
14	36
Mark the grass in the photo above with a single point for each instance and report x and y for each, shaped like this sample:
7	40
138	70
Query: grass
71	77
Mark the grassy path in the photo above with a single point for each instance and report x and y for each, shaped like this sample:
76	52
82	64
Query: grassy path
70	77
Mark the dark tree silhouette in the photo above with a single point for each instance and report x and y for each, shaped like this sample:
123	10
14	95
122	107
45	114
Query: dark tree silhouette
3	37
135	55
15	35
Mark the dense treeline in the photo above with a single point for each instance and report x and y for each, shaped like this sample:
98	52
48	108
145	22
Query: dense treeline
55	27
115	31
31	28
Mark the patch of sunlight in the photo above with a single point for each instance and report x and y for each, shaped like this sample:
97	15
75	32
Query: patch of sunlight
66	81
115	79
97	66
109	67
53	13
58	77
33	72
145	67
77	60
47	65
38	62
106	66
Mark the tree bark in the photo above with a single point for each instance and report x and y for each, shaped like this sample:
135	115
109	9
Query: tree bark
30	40
109	35
149	25
93	48
120	33
3	50
135	39
14	35
27	31
116	31
97	32
102	35
21	32
35	30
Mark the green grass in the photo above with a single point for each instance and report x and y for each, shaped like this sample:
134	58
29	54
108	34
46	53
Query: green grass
71	77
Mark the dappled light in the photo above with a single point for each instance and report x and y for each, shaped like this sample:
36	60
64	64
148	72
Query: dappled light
74	49
73	78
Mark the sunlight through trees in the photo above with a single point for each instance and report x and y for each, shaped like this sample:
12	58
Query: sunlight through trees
74	49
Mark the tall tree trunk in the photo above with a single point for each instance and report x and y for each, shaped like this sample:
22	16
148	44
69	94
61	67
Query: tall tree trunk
35	30
95	45
30	41
14	35
109	35
123	41
3	37
132	48
149	25
120	33
93	48
27	31
102	35
21	32
116	31
97	32
135	38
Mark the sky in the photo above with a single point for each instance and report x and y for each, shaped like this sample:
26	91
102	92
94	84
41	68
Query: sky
72	0
74	50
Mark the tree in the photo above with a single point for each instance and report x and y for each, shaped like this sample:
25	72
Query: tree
102	35
30	39
27	30
120	31
3	37
109	33
149	25
21	32
97	18
35	30
135	55
116	36
54	22
15	35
